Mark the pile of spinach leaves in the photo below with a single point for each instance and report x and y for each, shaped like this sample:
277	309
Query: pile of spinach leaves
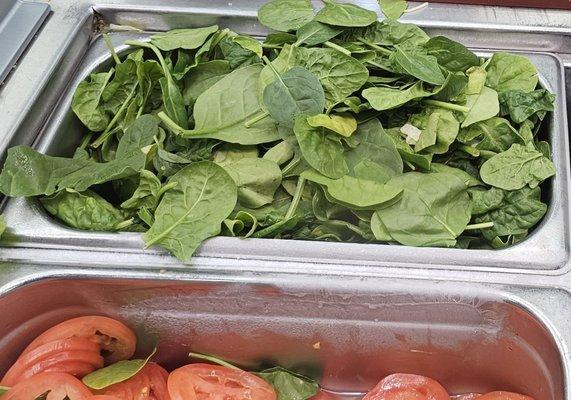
336	127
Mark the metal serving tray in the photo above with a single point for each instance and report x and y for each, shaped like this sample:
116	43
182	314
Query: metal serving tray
546	249
476	338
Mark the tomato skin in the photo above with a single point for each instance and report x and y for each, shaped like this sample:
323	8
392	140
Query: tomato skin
214	382
102	397
114	337
149	383
76	356
504	396
467	396
407	387
59	384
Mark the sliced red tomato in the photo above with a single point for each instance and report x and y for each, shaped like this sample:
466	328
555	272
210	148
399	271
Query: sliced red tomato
116	340
504	396
467	396
102	397
76	356
58	384
149	383
214	382
407	387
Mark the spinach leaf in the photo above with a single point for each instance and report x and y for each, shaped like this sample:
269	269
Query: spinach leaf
285	15
340	75
87	101
388	33
183	38
511	72
483	106
438	124
468	179
229	153
416	62
520	105
121	87
350	191
281	152
314	33
237	55
288	384
257	180
29	173
344	14
203	77
278	39
148	74
393	9
484	201
433	211
86	211
322	152
148	192
494	134
387	98
453	89
518	211
193	210
114	373
222	110
297	92
343	124
422	161
173	101
451	55
517	167
375	155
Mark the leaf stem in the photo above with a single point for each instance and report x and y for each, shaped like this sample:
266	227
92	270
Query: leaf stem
273	46
109	45
107	132
296	198
449	106
482	225
124	224
377	65
417	8
374	46
257	118
170	124
213	359
474	152
337	47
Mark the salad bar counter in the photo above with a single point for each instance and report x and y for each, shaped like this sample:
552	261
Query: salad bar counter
340	289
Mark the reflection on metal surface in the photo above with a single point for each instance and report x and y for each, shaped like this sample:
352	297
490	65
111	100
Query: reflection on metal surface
19	22
469	340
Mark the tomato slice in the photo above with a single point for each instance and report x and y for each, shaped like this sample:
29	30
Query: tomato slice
76	356
116	340
214	382
149	383
504	396
407	387
58	384
102	397
467	396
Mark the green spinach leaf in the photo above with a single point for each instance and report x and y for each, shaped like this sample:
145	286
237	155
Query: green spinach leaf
344	14
193	210
511	72
286	15
517	167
